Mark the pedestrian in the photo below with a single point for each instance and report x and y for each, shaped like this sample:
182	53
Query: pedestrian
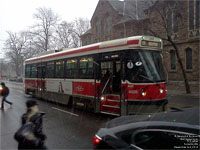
36	118
4	94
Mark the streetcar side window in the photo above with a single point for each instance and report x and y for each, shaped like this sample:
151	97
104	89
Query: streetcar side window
33	71
50	70
71	68
41	68
27	71
59	69
86	67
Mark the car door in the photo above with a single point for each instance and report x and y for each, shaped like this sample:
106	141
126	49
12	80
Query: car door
164	139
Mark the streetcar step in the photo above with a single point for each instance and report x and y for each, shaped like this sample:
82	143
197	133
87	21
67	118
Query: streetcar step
113	100
109	113
110	109
112	96
110	106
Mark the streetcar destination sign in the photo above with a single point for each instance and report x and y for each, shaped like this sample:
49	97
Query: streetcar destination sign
151	43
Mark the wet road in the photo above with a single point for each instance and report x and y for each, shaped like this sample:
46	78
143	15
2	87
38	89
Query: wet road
65	128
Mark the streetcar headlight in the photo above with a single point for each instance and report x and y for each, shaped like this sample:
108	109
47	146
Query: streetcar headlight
102	98
144	93
161	91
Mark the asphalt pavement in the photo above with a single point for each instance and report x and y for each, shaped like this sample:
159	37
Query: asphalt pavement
65	128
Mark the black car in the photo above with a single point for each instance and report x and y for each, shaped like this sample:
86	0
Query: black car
159	131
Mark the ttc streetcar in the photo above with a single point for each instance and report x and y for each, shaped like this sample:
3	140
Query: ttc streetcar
117	77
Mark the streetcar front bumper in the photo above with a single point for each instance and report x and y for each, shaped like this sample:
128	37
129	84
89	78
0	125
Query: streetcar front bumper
146	106
148	102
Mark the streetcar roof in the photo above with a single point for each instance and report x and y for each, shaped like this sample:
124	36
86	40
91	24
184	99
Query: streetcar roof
113	45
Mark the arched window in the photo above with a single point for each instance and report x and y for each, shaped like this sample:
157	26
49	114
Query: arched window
197	14
108	24
194	14
191	14
98	27
188	54
172	60
175	21
172	18
169	21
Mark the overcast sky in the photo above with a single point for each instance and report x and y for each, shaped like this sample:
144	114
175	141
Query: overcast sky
17	15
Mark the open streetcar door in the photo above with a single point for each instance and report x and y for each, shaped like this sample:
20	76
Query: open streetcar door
41	69
110	83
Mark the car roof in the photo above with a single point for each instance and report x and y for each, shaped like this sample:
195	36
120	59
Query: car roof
156	125
188	115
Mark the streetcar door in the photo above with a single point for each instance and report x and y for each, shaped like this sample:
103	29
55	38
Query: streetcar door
116	78
40	78
110	77
111	87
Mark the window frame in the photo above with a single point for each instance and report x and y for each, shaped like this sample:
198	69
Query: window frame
29	75
169	21
197	17
42	74
188	69
53	75
164	131
172	70
75	73
193	32
86	75
35	75
63	70
172	20
191	12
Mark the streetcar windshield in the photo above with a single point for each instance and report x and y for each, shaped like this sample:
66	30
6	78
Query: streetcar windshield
145	66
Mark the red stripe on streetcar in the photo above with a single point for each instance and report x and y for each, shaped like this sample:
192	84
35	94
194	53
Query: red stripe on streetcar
128	43
97	83
131	42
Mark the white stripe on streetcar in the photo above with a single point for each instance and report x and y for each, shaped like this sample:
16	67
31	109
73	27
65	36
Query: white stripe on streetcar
64	111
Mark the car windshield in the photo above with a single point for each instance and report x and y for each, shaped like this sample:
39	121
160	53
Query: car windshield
147	67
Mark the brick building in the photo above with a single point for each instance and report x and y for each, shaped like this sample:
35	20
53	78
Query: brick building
115	19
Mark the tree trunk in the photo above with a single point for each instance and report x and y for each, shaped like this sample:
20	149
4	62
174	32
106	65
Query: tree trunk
17	70
46	44
187	86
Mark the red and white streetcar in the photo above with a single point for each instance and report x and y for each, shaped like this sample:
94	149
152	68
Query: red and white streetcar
118	77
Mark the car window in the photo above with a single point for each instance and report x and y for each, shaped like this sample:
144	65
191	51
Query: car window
163	140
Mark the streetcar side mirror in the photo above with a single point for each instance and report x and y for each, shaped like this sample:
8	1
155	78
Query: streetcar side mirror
130	65
138	63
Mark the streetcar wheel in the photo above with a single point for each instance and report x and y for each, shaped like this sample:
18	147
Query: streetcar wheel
70	103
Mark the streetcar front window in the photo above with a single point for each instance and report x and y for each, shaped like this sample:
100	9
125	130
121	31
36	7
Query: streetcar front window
145	66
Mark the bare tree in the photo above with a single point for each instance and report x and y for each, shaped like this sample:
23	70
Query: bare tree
16	48
3	67
63	35
44	27
161	22
80	26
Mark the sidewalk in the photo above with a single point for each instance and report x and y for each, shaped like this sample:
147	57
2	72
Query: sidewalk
178	97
